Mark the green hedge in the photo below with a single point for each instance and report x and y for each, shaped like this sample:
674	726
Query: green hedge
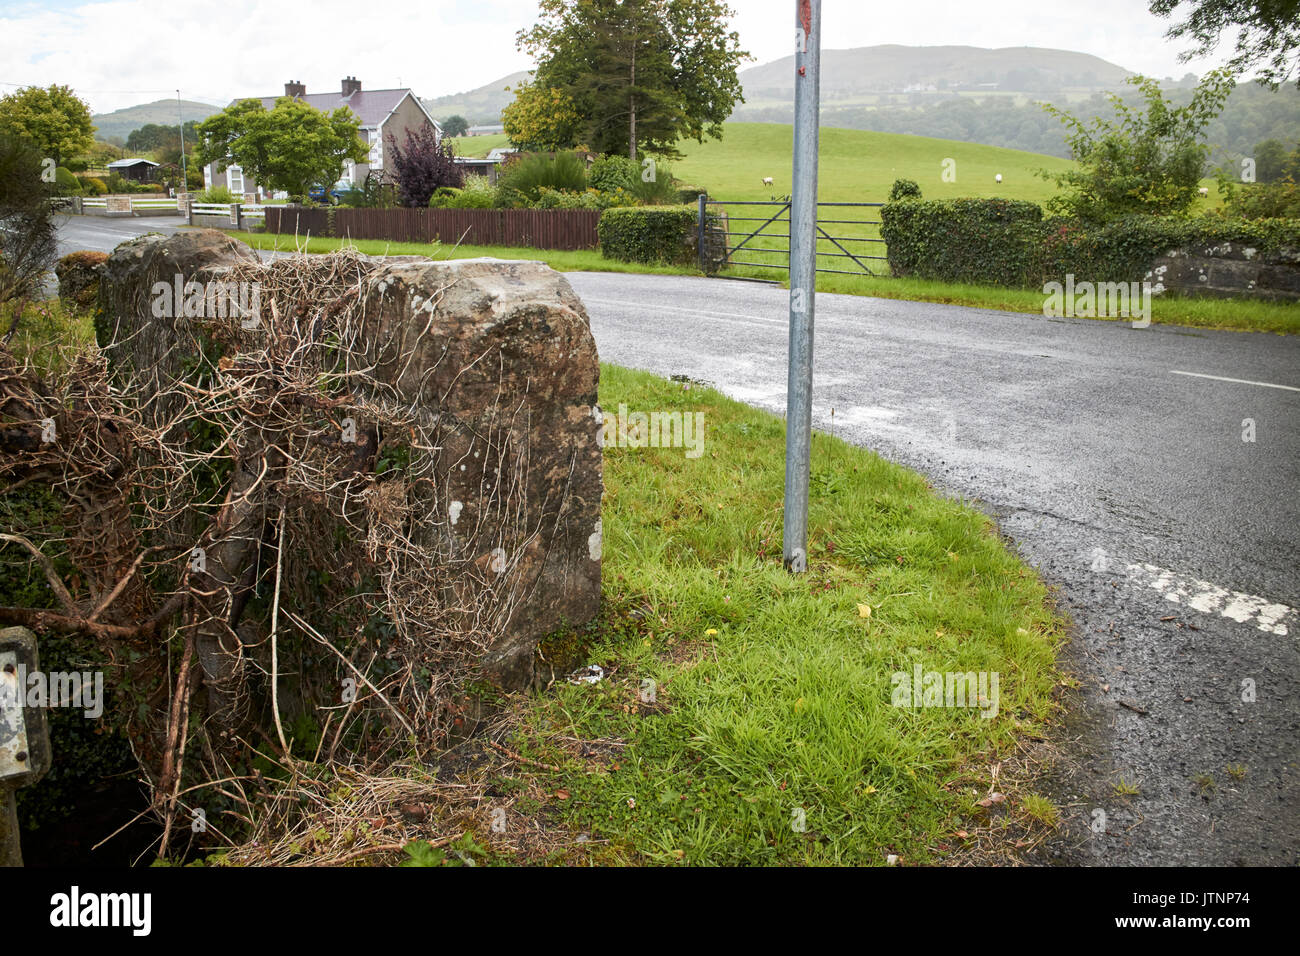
961	240
649	234
1124	250
1006	242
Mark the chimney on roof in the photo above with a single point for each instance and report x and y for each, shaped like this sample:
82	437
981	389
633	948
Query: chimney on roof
351	85
295	89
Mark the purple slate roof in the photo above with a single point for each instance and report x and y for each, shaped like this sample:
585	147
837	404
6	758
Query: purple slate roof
371	106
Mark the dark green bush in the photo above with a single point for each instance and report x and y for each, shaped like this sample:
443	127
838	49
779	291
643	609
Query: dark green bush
613	172
1123	250
962	240
567	199
660	189
521	180
477	193
1005	242
66	184
1275	200
904	189
650	234
442	197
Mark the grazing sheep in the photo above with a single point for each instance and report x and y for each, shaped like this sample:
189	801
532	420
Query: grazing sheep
997	178
767	180
1203	191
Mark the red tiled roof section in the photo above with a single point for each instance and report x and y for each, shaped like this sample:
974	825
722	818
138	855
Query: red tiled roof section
371	106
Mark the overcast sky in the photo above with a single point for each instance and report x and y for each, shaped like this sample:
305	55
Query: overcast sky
121	52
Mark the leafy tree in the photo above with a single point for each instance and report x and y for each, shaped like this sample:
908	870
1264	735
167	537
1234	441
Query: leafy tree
455	126
27	232
152	136
1291	169
541	119
1140	162
642	74
1268	33
1270	160
423	167
290	147
54	119
1276	200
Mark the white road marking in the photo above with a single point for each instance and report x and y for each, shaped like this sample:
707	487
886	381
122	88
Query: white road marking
1239	381
1208	598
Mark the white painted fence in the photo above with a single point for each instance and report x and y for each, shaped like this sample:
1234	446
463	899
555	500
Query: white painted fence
227	210
142	202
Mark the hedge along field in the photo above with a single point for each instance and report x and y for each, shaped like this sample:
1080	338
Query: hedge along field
854	166
857	166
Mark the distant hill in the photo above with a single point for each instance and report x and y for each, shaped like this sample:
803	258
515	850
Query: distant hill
483	106
121	123
847	74
852	76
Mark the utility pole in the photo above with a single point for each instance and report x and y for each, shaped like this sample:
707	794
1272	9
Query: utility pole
185	176
803	282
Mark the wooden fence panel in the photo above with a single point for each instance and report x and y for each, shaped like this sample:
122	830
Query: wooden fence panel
536	228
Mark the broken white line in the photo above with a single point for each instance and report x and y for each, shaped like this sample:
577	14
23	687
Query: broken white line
1239	381
1208	598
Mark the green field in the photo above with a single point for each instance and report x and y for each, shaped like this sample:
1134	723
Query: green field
854	166
860	166
477	147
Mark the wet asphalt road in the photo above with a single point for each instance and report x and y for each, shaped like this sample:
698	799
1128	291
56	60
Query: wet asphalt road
101	233
1115	466
1124	483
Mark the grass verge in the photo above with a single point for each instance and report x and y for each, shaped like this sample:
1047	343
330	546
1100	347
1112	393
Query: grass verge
1246	315
746	715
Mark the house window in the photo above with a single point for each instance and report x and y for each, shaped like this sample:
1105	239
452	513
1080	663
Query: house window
235	179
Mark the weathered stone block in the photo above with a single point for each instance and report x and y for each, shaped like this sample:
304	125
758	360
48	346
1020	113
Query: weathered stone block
498	355
503	347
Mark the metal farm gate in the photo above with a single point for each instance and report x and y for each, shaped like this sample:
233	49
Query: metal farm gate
767	245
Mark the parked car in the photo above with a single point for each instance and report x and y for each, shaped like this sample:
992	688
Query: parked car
332	196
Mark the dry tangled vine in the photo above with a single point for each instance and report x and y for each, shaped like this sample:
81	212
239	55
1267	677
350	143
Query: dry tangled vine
253	497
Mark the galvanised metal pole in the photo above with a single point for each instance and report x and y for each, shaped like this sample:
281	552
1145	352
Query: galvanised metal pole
185	173
803	275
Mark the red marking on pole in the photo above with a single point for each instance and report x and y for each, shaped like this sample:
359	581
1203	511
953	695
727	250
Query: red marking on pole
803	71
805	14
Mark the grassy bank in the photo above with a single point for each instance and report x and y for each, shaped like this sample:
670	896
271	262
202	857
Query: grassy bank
745	715
1249	315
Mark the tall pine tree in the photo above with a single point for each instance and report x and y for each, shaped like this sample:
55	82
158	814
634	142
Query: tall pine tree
642	73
